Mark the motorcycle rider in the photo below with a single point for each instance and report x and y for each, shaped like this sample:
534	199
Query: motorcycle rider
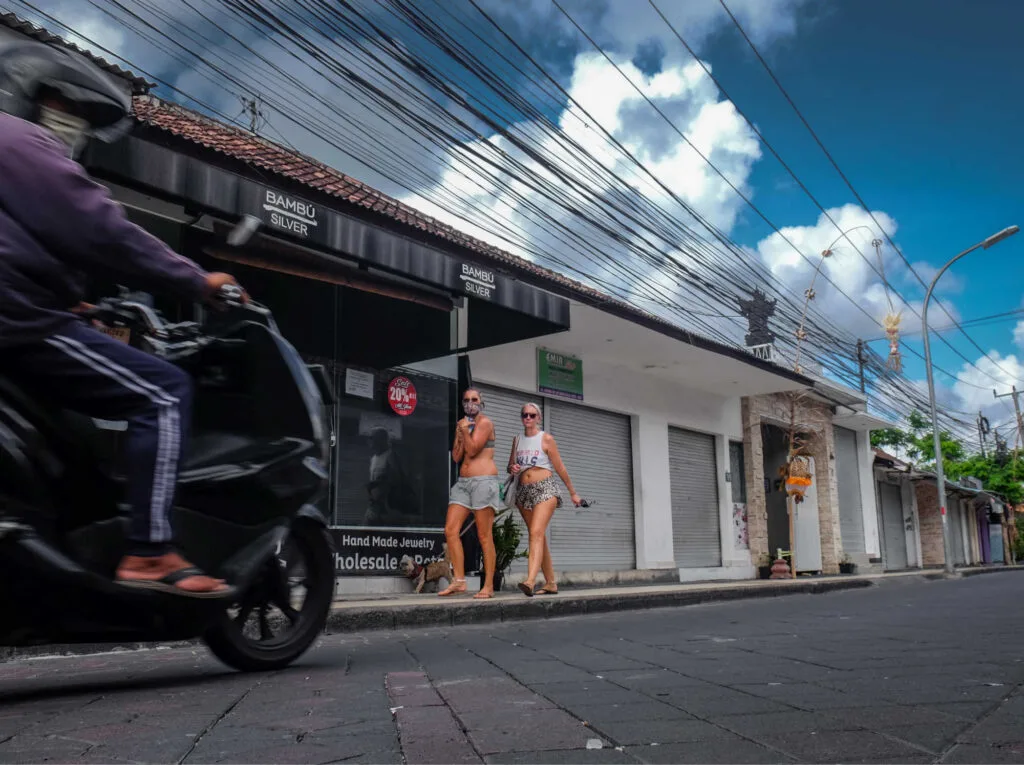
55	223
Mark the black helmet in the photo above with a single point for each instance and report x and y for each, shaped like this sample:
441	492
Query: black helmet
28	70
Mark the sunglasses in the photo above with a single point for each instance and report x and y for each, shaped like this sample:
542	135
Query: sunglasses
529	415
470	401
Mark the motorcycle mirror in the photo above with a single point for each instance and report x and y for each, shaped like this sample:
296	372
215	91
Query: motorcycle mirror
244	230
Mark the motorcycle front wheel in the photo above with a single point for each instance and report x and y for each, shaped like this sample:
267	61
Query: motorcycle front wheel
277	619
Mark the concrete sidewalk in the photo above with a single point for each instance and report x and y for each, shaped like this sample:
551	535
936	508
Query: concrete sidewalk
428	610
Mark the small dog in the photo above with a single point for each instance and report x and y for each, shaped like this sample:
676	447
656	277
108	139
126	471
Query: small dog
433	573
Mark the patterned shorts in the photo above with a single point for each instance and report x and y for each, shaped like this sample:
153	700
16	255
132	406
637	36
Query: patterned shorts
530	495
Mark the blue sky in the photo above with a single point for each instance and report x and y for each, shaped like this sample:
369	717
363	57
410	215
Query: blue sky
918	101
920	104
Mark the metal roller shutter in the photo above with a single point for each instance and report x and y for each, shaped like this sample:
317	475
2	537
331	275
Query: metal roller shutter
597	448
851	511
503	407
693	474
894	537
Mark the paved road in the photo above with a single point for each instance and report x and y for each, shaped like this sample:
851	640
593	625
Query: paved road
906	672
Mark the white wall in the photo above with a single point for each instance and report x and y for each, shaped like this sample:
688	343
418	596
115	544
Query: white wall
869	505
653	404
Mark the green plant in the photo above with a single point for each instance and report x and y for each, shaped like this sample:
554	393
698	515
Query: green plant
1018	543
507	537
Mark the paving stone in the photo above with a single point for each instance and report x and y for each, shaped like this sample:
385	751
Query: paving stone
432	735
591	692
736	751
839	746
721	701
563	757
780	722
646	732
935	736
652	710
995	733
411	689
536	731
973	754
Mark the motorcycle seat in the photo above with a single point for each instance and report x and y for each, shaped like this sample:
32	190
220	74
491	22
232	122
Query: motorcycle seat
211	448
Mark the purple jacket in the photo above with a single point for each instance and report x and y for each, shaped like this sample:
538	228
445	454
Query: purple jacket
57	224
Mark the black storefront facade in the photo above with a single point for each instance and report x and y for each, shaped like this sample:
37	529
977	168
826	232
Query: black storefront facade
387	312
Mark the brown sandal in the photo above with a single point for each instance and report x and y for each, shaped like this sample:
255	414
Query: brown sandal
546	591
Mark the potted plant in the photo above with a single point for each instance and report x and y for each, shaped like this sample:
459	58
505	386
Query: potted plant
847	566
507	537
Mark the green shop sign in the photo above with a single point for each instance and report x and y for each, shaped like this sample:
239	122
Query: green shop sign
559	375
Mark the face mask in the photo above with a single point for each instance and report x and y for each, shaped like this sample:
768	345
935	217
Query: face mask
472	409
69	129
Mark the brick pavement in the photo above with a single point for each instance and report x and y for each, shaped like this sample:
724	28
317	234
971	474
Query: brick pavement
905	672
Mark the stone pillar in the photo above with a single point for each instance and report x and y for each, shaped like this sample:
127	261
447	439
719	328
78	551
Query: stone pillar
822	448
753	468
932	552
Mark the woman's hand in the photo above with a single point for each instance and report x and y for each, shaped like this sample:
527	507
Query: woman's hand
516	468
577	500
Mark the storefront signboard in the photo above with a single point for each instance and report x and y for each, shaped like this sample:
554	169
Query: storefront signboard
559	375
378	552
477	281
290	214
402	396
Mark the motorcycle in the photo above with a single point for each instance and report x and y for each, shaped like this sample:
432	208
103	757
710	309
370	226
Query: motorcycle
245	508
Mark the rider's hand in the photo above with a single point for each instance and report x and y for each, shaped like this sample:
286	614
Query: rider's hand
82	308
215	281
517	468
576	500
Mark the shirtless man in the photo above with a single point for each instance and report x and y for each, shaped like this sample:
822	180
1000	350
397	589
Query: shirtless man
476	491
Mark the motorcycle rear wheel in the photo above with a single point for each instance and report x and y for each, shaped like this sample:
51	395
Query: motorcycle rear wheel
309	545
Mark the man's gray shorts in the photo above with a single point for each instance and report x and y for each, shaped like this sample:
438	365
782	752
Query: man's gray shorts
476	493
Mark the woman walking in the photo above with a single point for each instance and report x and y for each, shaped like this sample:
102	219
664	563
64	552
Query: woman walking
475	491
534	461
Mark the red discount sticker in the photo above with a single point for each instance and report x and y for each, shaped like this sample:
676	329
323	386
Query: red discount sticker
402	396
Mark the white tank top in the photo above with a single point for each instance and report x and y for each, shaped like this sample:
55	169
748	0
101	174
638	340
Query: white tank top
530	452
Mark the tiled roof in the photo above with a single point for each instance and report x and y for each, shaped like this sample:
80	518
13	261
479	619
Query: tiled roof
241	145
27	28
266	156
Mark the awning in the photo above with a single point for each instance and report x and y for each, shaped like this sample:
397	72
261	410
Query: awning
205	188
860	421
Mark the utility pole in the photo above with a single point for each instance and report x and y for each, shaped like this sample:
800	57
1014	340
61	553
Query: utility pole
983	430
1016	407
861	361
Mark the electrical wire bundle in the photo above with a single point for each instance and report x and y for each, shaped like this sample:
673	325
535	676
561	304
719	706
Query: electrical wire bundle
450	108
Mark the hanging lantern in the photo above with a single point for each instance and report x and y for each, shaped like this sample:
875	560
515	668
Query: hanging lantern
891	322
798	478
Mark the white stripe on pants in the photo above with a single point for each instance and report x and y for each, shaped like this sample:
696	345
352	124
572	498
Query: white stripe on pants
165	471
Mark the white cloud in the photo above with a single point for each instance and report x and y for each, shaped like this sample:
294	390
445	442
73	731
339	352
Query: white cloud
859	300
949	284
976	383
1018	334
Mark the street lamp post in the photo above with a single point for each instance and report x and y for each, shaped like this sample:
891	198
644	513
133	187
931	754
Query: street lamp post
940	476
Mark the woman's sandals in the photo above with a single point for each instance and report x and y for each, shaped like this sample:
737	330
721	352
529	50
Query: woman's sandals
457	587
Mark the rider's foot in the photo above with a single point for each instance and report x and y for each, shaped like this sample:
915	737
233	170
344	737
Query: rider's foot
484	594
169	569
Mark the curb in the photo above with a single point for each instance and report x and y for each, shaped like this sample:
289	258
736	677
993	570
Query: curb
347	619
365	619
